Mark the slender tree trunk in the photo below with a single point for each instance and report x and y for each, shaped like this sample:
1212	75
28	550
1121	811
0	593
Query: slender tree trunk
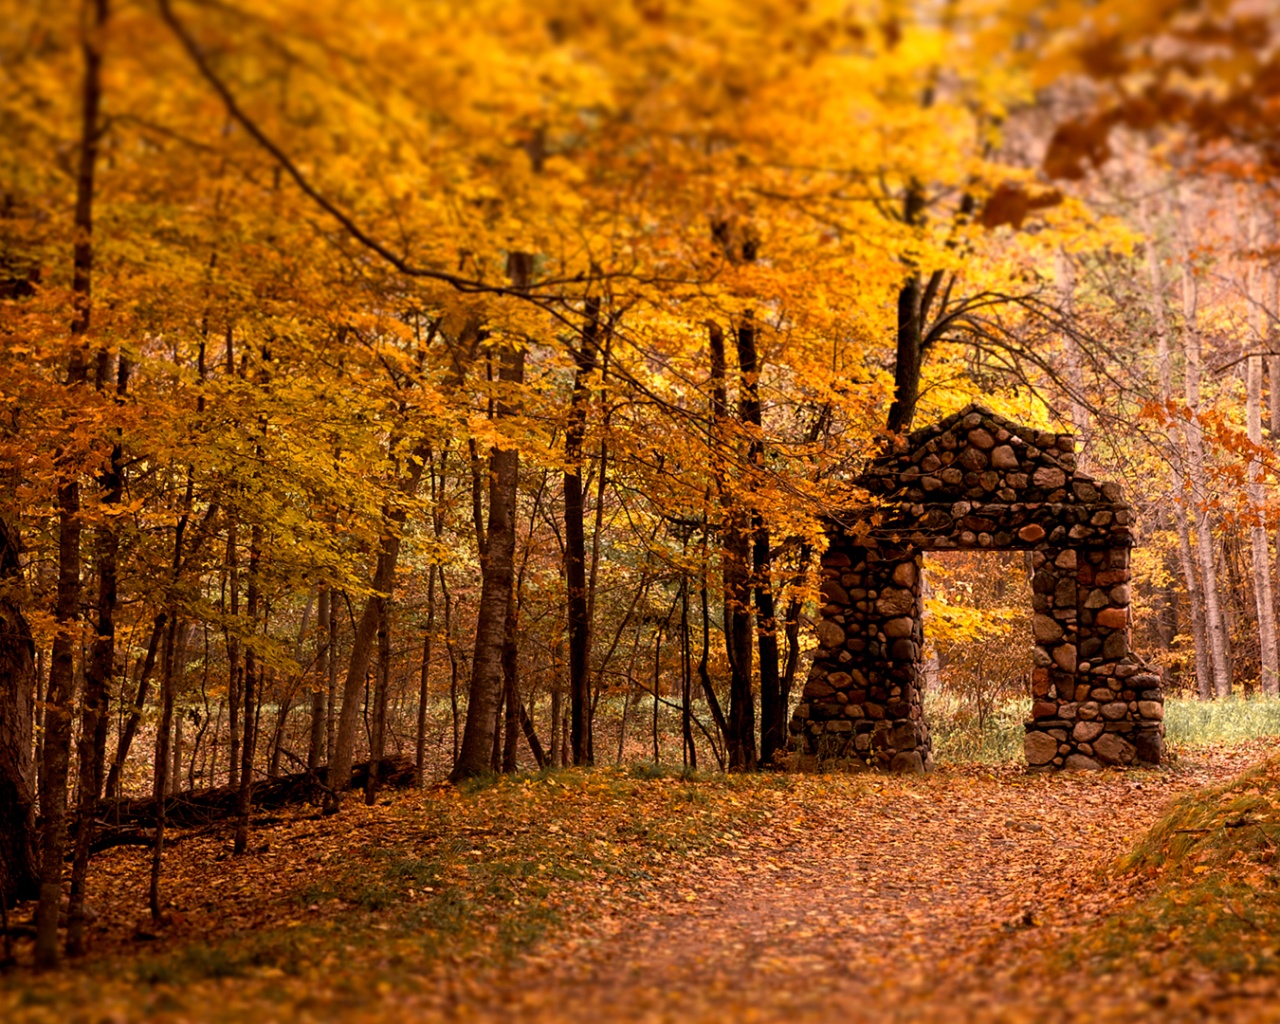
1193	436
735	560
910	334
331	694
59	693
497	574
160	778
252	692
235	664
319	689
557	708
686	680
1262	588
362	642
420	744
91	751
19	872
511	691
1177	455
792	632
378	740
130	729
575	551
772	724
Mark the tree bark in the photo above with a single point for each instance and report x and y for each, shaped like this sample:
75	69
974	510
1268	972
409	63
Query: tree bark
497	574
130	729
772	712
1177	456
19	873
252	688
319	689
735	555
366	630
1263	592
91	751
160	778
910	331
58	694
1193	435
575	550
382	686
424	679
235	664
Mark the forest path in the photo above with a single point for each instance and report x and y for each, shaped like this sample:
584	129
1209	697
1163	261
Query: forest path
936	898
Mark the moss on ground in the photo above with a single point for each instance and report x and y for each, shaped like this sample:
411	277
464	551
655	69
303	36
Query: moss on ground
1206	884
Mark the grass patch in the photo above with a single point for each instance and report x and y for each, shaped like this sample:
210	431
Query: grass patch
961	736
1209	874
1190	722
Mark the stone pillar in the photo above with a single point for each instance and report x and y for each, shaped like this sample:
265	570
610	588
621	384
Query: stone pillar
1094	703
861	706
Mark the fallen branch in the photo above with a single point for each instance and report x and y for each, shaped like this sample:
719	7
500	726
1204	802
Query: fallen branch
122	822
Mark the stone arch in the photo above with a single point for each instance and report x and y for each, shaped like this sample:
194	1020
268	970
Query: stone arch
976	480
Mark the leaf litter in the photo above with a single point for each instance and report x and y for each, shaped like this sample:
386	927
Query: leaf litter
976	893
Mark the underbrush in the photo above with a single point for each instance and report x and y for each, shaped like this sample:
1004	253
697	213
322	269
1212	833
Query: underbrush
1192	722
1207	878
961	736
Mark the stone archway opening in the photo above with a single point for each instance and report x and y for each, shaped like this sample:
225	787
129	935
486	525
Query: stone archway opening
977	657
978	481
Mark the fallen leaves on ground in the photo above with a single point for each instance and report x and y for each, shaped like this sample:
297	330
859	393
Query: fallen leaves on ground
974	893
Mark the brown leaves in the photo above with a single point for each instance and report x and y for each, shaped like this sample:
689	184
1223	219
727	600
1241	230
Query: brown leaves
1010	204
770	898
1077	142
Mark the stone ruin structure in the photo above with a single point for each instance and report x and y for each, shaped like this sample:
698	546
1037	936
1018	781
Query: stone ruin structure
976	480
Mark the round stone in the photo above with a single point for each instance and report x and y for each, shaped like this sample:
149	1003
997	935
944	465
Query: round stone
1040	748
1004	458
829	634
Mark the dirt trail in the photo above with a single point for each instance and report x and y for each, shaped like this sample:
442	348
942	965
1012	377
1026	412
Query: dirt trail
927	899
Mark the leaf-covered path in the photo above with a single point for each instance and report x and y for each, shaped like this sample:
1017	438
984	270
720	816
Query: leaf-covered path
949	898
971	894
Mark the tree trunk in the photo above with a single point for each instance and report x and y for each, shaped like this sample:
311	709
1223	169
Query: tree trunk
420	744
575	550
160	777
1263	593
735	555
910	332
511	695
252	692
91	750
235	665
382	686
130	729
59	692
362	642
319	690
772	723
19	875
497	573
1177	456
1193	436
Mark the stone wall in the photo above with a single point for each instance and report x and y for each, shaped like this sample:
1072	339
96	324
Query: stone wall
977	480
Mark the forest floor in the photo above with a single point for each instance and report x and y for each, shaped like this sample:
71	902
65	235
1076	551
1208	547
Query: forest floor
975	893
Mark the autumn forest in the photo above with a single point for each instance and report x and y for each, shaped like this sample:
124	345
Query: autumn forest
431	437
